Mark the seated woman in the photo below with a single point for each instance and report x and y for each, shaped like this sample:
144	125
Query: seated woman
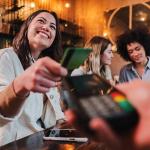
99	60
133	46
29	98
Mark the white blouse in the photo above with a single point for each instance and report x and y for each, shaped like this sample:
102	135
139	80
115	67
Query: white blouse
26	121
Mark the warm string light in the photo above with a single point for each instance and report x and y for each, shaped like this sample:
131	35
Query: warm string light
142	18
67	5
32	5
66	25
105	34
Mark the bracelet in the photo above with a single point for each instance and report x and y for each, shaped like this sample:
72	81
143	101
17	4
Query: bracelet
17	95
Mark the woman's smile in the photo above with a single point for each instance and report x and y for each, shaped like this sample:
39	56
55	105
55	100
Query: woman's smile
44	34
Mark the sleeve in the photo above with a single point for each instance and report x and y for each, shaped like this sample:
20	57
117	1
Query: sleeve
52	110
8	93
7	75
57	105
77	72
7	72
122	75
108	73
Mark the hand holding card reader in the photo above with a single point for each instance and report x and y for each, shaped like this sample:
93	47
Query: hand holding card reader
91	96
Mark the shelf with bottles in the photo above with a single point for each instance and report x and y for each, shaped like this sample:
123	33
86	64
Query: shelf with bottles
5	40
70	27
8	30
72	34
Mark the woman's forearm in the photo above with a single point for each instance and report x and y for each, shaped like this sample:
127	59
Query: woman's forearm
10	103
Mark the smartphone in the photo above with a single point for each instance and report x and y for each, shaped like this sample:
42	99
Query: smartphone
65	135
91	96
61	133
74	57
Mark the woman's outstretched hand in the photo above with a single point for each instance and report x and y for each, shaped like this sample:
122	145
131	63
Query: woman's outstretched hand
40	77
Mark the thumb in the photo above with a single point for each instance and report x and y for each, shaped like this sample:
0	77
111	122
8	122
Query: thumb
104	133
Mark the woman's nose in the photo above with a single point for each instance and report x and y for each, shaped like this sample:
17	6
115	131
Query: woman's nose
45	27
135	53
112	55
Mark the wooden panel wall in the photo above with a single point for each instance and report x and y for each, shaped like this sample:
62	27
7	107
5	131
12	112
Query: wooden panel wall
111	4
86	13
59	7
89	13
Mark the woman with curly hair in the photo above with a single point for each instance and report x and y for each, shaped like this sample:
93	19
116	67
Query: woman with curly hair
134	46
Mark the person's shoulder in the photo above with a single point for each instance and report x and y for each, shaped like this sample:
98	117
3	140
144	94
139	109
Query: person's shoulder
77	71
8	55
7	52
148	58
127	67
124	73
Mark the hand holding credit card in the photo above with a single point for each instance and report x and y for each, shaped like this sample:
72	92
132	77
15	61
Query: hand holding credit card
74	57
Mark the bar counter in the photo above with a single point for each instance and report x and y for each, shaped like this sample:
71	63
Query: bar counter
36	142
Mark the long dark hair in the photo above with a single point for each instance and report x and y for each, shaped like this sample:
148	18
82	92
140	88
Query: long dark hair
21	43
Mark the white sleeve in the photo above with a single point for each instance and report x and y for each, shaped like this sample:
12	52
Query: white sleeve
108	73
56	104
7	75
77	72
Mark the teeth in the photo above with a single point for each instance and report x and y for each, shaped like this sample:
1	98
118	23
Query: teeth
43	34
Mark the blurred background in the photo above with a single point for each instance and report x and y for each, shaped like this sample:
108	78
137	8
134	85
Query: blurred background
79	20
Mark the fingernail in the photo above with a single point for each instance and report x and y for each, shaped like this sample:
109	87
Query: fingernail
64	71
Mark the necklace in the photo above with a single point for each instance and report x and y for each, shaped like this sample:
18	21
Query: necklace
32	59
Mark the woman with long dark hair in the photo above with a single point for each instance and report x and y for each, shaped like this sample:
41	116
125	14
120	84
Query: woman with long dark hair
29	75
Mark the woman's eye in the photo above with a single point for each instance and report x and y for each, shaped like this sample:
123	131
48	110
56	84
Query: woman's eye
138	48
109	52
53	27
41	21
130	52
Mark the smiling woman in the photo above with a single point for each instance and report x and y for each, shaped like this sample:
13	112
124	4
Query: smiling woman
41	33
99	60
133	46
30	100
